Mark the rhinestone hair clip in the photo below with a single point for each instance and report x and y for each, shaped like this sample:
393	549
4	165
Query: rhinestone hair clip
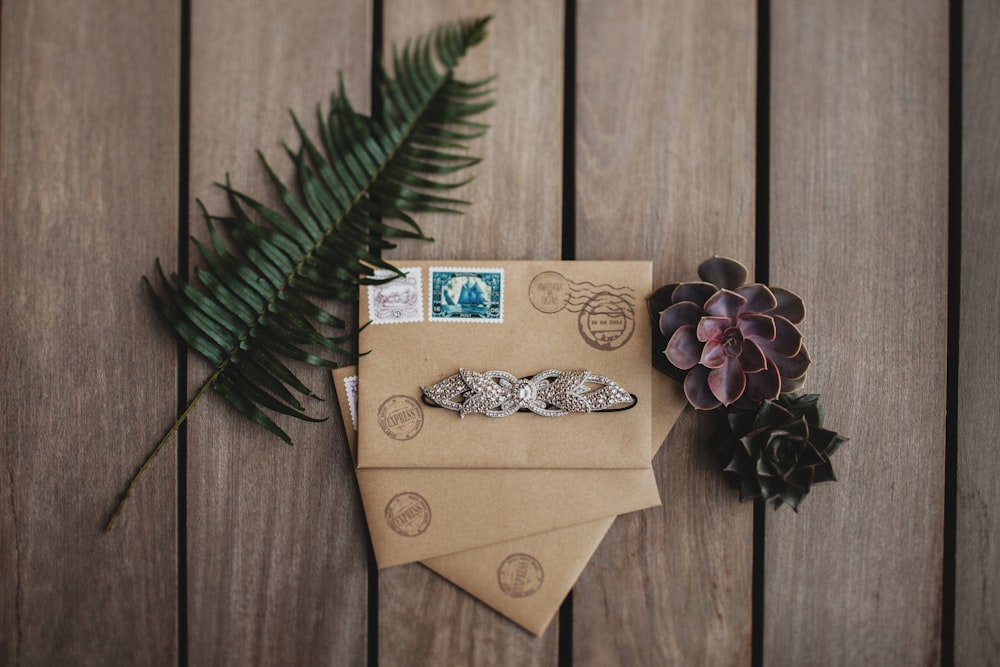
551	393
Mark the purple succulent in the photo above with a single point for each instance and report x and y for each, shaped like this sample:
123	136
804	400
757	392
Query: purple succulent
735	343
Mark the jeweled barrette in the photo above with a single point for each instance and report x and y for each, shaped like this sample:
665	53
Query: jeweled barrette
551	393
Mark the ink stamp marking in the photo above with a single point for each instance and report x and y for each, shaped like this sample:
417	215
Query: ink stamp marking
549	292
605	313
466	294
400	417
408	514
520	575
399	300
607	321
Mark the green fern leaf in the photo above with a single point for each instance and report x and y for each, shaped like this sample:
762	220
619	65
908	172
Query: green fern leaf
357	188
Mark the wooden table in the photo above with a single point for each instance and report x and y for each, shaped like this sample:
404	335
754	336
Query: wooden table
845	149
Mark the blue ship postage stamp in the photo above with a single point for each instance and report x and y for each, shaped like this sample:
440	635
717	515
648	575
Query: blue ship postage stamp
465	294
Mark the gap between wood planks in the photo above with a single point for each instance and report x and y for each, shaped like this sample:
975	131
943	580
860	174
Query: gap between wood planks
954	253
376	111
565	648
954	295
183	262
762	239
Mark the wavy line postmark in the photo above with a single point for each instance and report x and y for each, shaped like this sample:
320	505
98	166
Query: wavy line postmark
605	313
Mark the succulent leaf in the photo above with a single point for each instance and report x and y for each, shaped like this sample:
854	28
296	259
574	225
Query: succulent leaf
697	391
760	299
694	291
678	315
789	306
723	272
710	327
684	350
725	303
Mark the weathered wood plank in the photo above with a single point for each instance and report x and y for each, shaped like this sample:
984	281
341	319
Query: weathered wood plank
665	170
977	589
859	191
516	214
517	194
88	198
277	544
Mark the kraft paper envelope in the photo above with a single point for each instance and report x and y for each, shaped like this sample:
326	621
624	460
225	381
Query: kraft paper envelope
526	579
415	514
521	318
419	513
466	503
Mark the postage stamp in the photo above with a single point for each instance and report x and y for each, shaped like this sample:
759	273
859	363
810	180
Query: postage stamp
460	294
408	514
520	575
399	300
351	387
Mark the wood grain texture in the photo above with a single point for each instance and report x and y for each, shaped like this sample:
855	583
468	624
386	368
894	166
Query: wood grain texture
665	152
88	185
977	589
517	191
426	620
276	540
859	191
277	562
516	214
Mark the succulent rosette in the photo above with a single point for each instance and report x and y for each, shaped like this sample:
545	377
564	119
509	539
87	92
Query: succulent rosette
781	449
733	343
737	348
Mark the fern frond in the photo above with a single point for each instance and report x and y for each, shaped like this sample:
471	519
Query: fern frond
356	189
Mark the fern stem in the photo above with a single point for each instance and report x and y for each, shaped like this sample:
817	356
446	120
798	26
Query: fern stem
159	447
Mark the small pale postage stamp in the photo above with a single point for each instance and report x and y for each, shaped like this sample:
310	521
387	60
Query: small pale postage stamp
463	294
399	300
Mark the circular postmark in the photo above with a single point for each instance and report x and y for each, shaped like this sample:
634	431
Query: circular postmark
408	514
607	321
400	417
520	575
549	292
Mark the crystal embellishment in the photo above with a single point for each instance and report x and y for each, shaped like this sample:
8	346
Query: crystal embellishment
551	393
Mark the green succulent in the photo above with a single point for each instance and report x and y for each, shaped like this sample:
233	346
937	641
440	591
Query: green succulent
780	449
